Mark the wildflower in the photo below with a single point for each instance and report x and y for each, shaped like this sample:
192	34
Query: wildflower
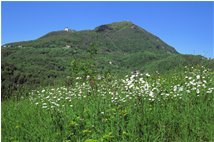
78	78
56	104
181	88
44	106
193	82
151	99
141	80
151	94
148	75
131	85
210	90
198	76
167	94
193	88
99	77
175	88
197	91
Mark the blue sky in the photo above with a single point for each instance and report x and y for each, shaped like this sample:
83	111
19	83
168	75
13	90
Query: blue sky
187	26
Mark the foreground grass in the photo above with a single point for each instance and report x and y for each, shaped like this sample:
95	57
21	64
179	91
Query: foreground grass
98	118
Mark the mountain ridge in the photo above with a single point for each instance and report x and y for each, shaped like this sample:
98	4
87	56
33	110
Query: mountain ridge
122	29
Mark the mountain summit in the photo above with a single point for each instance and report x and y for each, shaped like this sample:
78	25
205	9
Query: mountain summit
123	36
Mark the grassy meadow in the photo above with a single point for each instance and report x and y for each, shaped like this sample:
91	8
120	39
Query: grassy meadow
176	106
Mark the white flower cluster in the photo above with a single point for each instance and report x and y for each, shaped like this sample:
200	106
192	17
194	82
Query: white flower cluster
193	82
136	85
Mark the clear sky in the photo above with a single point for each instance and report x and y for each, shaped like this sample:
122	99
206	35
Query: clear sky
187	26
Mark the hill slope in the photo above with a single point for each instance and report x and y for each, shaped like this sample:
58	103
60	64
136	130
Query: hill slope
121	48
122	36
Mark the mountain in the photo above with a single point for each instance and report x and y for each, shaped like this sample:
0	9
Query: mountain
121	47
118	36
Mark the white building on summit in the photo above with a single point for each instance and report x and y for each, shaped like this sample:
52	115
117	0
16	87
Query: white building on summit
66	29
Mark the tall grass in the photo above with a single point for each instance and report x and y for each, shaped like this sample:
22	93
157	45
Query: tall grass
97	116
